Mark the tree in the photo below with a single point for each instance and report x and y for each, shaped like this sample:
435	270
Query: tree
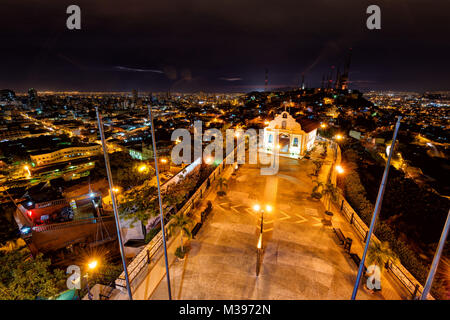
379	253
180	222
25	278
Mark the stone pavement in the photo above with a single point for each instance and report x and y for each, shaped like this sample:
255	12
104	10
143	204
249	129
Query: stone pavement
302	258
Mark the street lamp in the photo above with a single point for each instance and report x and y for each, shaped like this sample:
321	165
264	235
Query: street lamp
259	246
92	265
142	168
164	162
209	160
27	168
339	169
338	137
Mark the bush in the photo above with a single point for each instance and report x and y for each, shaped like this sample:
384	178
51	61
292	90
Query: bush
151	234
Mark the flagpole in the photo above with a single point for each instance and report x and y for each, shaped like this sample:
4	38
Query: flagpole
436	259
113	200
376	210
155	155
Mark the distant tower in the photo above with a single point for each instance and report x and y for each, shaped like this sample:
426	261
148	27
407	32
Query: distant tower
344	78
338	78
134	94
303	81
33	98
266	81
330	80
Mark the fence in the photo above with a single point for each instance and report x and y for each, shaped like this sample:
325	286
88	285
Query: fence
143	259
397	269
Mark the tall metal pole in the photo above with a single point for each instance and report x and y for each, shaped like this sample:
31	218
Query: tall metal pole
436	259
376	210
160	201
113	200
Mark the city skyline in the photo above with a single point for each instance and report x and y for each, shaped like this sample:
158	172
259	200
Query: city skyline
225	47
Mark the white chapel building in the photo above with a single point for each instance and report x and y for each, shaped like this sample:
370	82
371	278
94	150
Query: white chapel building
288	136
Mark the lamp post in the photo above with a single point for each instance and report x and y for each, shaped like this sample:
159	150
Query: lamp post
259	246
164	163
91	266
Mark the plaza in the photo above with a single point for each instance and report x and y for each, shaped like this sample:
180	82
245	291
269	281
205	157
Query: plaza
302	257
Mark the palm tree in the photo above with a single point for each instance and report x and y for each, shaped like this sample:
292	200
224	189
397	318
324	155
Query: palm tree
180	222
379	253
318	165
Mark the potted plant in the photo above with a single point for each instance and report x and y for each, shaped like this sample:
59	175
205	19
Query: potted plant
180	252
221	185
315	194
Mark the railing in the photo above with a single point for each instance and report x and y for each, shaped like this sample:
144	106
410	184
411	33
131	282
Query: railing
413	286
50	203
397	269
62	225
142	259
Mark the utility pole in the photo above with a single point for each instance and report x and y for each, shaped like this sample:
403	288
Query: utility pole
376	210
155	155
114	204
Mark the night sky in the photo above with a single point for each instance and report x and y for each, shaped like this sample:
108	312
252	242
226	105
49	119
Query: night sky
222	45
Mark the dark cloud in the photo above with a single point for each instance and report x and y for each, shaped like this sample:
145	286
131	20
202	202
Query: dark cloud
196	42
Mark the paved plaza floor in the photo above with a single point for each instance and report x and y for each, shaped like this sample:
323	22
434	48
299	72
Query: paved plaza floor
302	258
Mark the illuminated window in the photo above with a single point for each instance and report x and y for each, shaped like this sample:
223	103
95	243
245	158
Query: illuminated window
270	138
295	143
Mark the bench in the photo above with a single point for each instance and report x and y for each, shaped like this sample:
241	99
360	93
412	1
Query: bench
196	229
357	260
340	235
